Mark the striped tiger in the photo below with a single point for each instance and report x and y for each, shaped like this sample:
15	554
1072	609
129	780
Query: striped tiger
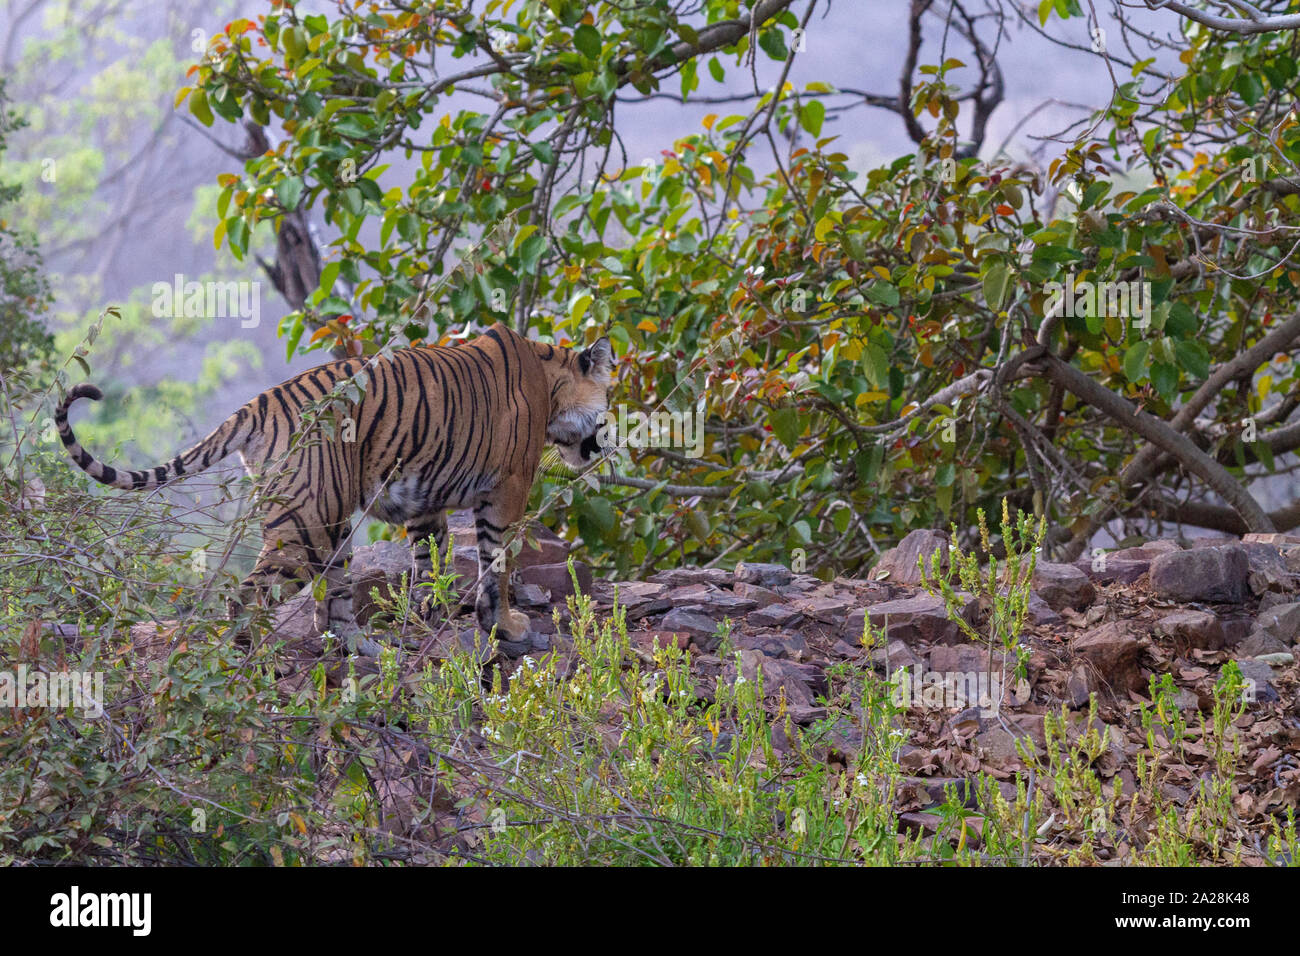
433	428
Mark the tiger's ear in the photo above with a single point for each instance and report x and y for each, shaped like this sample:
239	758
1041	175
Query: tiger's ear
598	359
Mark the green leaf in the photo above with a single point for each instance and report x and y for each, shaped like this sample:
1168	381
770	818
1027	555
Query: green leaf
997	283
199	107
883	293
875	364
811	116
586	40
772	43
289	191
530	253
543	152
1165	379
1193	357
1135	361
786	426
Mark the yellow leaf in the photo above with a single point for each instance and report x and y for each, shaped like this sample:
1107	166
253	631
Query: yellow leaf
645	325
709	120
183	92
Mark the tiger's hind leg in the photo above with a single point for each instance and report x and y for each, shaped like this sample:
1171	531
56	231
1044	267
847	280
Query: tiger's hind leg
286	567
425	532
503	507
334	609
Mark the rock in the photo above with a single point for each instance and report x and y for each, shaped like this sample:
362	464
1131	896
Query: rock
1280	659
1192	630
676	577
1062	586
464	562
694	622
1259	682
1112	653
1078	686
1185	699
774	615
1268	569
690	594
640	598
723	604
827	610
796	682
531	595
1236	628
1274	599
899	565
1040	612
789	645
999	744
1122	567
546	547
1282	621
646	640
969	659
1259	643
556	578
1273	538
893	656
923	618
1215	574
633	593
757	593
763	575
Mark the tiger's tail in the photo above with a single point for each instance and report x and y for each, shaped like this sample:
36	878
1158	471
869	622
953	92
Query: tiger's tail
229	436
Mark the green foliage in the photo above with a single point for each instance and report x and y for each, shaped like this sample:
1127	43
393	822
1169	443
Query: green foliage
861	295
24	290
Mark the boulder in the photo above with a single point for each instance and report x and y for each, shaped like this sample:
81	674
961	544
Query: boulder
764	575
899	565
1112	653
1062	586
1282	621
676	577
1192	630
1259	644
556	578
923	618
774	615
693	621
1213	574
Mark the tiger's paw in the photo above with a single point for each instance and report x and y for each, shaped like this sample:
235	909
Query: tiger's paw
513	625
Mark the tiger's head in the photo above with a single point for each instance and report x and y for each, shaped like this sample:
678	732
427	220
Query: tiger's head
579	384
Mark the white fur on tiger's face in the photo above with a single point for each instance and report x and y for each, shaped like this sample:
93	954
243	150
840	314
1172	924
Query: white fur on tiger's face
434	429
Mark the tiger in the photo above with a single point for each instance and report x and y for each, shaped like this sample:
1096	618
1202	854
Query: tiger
435	428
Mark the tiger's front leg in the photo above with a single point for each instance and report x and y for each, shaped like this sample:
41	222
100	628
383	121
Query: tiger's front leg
503	508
